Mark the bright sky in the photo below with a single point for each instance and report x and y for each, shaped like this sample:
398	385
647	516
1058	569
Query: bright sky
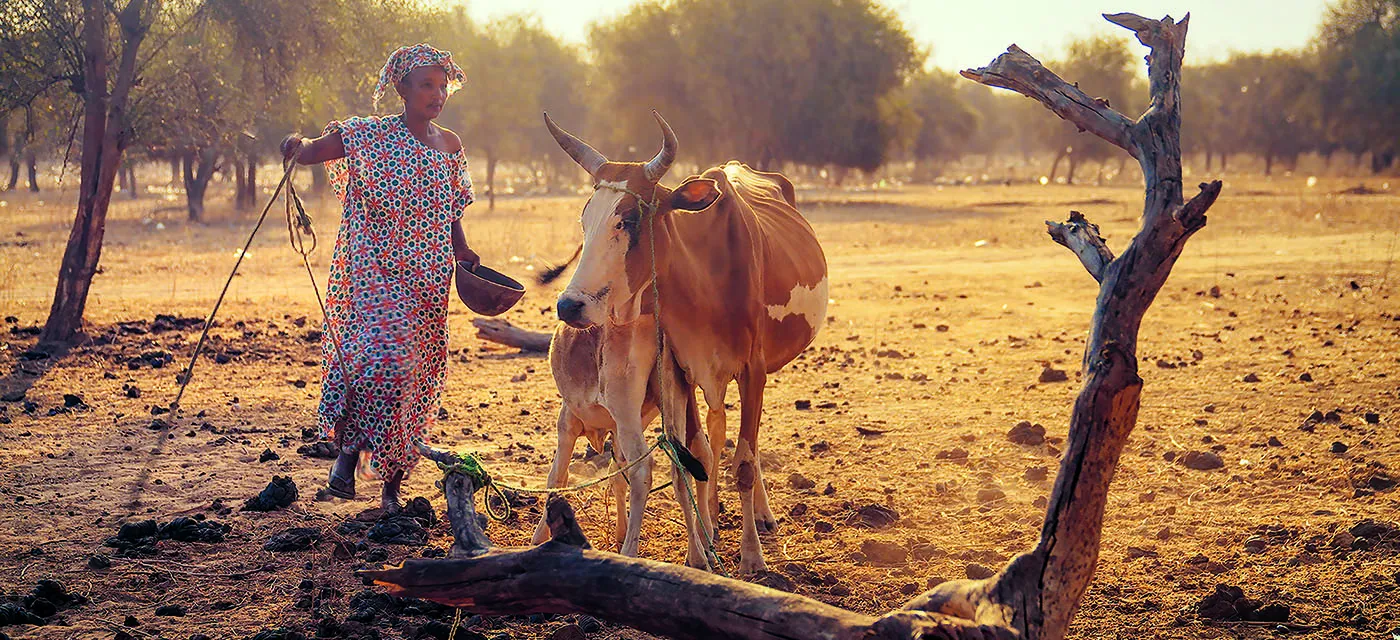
969	34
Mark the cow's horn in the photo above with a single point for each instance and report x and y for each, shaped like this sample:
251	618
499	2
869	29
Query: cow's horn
658	166
586	156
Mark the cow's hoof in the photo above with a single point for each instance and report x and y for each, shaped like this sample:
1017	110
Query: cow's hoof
752	566
767	525
697	561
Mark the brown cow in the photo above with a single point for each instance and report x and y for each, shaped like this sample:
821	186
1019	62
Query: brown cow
743	291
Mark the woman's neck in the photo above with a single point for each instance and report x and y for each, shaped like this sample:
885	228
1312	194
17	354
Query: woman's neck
417	125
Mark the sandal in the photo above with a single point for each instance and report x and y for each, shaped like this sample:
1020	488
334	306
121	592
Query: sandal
341	487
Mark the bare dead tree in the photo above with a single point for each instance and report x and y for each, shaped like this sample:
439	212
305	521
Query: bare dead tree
1036	594
106	134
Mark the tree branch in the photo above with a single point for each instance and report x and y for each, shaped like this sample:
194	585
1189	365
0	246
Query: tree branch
1018	71
1082	237
460	490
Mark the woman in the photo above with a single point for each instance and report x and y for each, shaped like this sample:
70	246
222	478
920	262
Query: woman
403	182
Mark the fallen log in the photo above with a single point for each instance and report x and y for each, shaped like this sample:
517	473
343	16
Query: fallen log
503	332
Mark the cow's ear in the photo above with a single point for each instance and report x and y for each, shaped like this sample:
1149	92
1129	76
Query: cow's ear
695	194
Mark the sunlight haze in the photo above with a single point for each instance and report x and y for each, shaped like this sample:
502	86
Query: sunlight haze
963	35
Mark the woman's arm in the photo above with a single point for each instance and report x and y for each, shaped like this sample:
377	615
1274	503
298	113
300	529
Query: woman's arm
315	150
460	250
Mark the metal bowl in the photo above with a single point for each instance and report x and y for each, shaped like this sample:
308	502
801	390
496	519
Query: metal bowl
486	291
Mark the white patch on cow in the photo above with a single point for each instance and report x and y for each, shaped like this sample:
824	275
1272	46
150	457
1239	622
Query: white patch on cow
808	302
600	207
597	224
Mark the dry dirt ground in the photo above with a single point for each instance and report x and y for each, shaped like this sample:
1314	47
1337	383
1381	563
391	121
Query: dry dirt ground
947	305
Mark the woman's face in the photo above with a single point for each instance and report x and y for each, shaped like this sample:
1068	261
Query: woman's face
424	91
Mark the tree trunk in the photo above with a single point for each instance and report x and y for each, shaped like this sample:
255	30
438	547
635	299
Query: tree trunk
175	170
1268	164
250	181
14	173
1069	175
1055	165
131	180
32	163
490	180
124	179
1224	162
199	169
237	165
1208	159
1381	160
105	136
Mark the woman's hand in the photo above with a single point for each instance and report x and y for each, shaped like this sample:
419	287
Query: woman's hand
289	147
460	250
465	254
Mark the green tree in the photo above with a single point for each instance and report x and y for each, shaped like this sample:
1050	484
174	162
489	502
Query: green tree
49	43
1359	74
814	82
947	124
1104	67
514	70
1272	110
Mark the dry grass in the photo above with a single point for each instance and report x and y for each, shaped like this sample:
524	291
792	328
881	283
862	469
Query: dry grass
1306	283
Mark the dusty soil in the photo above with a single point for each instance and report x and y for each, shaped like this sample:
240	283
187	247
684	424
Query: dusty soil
947	306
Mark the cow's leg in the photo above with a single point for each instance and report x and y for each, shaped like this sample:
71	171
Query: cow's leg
745	464
570	428
631	442
619	491
767	522
671	393
714	423
699	446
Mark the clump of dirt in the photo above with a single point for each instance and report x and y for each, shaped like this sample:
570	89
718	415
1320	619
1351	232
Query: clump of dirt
279	494
294	539
1026	433
319	450
1229	603
408	527
140	538
194	529
46	600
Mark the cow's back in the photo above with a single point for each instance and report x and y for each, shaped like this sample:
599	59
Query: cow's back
793	265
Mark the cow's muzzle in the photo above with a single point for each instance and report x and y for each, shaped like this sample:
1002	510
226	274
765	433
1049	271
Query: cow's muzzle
571	311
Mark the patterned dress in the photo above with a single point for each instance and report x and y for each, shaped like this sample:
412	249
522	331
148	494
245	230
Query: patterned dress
387	296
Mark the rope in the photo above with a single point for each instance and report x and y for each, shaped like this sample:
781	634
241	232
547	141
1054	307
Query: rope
456	620
188	374
470	465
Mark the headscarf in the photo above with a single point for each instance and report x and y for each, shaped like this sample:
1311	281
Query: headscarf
406	59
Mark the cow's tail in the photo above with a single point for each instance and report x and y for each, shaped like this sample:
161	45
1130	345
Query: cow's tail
551	274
